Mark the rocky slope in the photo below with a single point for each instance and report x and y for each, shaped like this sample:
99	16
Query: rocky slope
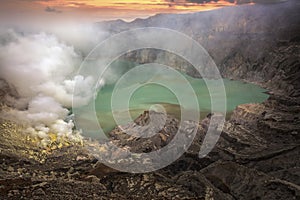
256	157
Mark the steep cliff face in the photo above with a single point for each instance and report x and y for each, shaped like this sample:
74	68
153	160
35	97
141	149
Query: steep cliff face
278	70
256	43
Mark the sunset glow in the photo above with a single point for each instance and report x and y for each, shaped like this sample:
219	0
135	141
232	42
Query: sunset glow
142	5
99	10
148	6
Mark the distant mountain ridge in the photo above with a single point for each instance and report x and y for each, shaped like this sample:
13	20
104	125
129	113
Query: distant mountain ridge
257	43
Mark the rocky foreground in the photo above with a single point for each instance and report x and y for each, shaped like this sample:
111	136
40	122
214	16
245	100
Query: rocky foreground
256	157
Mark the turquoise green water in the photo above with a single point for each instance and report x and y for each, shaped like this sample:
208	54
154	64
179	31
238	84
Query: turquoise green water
146	95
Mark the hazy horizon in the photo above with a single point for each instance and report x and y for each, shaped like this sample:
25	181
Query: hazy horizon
15	12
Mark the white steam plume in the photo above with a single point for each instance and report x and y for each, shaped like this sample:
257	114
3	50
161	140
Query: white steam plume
42	69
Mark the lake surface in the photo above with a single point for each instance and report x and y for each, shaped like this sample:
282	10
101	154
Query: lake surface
149	93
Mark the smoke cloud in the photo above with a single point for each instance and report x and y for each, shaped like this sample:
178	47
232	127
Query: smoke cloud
41	69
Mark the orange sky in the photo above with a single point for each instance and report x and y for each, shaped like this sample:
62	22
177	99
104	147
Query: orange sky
137	5
99	10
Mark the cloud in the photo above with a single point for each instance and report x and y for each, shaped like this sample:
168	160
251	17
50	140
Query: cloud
259	1
77	4
228	1
201	1
44	80
195	1
37	0
51	9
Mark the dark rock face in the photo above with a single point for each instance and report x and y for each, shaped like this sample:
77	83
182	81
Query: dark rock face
278	70
163	136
